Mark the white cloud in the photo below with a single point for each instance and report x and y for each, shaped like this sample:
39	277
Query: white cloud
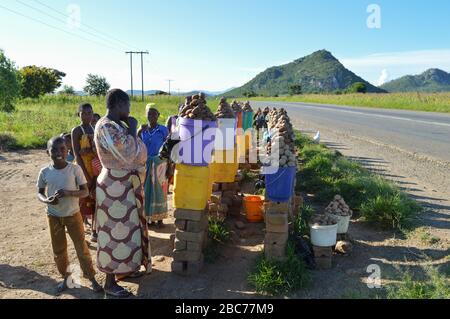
384	77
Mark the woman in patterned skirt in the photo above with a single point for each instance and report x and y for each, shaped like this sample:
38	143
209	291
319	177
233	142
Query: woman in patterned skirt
123	245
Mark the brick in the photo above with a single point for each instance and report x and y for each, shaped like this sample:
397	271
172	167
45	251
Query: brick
276	251
322	251
180	244
178	266
324	263
186	255
216	197
276	238
229	194
281	229
195	227
188	236
191	246
187	214
223	208
205	240
195	267
172	241
272	207
215	187
231	186
227	201
181	224
277	219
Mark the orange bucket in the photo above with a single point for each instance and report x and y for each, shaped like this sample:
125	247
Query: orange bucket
253	206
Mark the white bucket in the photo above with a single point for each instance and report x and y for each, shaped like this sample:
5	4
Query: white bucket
343	224
226	135
324	236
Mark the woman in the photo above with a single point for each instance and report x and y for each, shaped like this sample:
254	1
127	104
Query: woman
123	245
156	183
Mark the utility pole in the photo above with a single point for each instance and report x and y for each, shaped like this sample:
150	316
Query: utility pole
142	70
170	81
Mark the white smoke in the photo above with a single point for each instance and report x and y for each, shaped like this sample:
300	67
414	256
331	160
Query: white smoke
384	77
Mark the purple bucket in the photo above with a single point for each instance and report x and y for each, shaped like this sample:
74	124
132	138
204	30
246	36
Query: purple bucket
197	141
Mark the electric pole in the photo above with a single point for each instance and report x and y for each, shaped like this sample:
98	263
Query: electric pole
142	70
170	81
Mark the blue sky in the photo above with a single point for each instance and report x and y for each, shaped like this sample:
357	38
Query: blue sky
218	44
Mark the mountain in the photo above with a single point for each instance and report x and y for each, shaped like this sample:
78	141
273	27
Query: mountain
432	80
318	72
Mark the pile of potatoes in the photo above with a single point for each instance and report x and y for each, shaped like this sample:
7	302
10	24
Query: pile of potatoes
247	107
196	109
224	110
338	207
282	139
236	107
323	220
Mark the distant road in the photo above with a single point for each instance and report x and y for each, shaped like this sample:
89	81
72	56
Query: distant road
423	133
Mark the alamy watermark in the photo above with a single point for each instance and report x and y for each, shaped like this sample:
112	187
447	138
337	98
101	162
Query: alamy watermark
374	18
74	18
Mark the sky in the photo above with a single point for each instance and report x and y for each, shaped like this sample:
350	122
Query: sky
215	45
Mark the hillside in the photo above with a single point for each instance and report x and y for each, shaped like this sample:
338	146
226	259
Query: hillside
431	81
318	72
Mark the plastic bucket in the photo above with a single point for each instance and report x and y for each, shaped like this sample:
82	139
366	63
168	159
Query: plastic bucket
280	185
254	208
344	222
197	144
247	120
324	236
192	187
226	135
224	166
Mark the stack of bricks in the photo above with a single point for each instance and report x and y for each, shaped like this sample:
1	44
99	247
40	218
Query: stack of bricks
277	229
323	257
225	199
190	240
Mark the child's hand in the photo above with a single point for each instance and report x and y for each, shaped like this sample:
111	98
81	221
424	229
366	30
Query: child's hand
52	200
61	193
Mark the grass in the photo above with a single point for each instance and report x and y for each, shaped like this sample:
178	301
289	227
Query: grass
37	120
424	236
218	235
429	102
275	278
435	286
326	173
301	222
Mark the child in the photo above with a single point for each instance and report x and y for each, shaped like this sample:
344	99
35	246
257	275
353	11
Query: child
65	183
95	119
83	149
68	139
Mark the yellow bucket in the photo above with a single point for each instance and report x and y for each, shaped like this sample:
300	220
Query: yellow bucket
224	166
192	187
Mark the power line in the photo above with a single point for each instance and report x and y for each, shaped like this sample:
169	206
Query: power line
142	70
56	28
87	26
63	21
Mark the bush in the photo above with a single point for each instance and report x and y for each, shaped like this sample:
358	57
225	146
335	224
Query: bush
7	142
279	277
9	84
358	87
436	286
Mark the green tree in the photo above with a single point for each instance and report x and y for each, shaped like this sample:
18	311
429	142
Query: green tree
96	85
250	94
9	84
68	90
295	89
357	87
36	81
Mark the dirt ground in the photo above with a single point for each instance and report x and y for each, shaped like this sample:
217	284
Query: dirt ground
27	269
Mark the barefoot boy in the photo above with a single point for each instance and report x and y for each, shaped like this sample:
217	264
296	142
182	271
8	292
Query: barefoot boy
65	184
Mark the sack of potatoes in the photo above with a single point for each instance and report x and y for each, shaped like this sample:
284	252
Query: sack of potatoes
224	110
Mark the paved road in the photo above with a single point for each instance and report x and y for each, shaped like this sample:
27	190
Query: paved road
423	133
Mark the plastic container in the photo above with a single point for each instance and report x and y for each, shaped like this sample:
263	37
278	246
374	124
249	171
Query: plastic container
226	135
224	166
344	222
247	120
254	208
280	185
324	236
192	187
197	144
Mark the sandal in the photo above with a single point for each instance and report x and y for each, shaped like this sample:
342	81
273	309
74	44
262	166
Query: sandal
120	293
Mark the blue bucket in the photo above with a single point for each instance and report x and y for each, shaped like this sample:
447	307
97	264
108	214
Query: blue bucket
280	185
